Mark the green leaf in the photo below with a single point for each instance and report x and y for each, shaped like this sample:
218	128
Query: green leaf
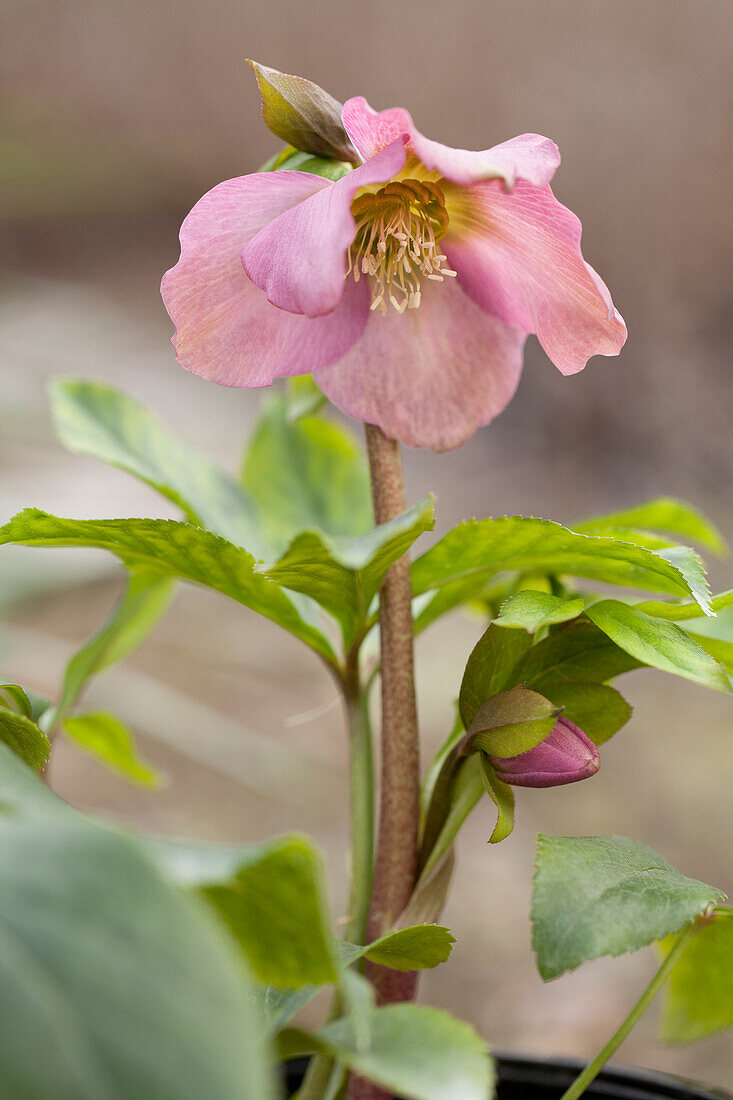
23	736
306	472
481	549
418	1052
303	115
278	1006
698	999
344	574
720	650
663	514
114	984
533	610
420	947
605	895
651	540
466	792
429	606
290	159
511	723
304	397
359	997
660	644
272	899
95	419
680	611
598	709
429	897
491	668
435	768
171	549
578	652
502	795
144	600
15	699
109	741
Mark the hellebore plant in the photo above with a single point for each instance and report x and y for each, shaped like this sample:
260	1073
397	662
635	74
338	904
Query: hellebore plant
404	276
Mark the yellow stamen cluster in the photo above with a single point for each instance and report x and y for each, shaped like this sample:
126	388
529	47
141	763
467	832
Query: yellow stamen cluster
396	241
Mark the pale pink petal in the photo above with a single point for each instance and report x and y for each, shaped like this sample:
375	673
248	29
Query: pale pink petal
518	256
530	157
430	376
299	259
226	330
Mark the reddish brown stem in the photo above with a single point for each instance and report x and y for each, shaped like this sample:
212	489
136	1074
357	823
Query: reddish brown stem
395	868
396	863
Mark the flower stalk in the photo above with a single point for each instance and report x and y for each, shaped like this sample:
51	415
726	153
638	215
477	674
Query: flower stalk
396	862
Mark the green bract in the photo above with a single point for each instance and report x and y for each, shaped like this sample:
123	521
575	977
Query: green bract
302	114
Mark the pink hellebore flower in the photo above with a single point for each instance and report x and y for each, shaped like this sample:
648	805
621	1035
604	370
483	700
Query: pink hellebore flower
565	756
407	287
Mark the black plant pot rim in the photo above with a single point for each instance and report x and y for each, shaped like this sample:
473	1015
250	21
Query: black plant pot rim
553	1075
614	1082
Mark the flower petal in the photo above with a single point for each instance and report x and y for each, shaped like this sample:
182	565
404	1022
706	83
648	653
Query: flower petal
226	330
518	256
530	157
430	376
299	258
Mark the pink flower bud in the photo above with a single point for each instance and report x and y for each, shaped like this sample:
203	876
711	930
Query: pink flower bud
565	756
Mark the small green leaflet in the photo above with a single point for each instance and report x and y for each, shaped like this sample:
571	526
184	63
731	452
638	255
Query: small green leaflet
698	999
673	517
492	667
23	736
278	1006
419	947
109	741
272	899
681	611
12	697
465	793
417	1052
95	419
605	895
344	574
721	651
303	115
145	599
502	795
578	652
657	643
531	610
290	159
171	549
480	549
304	472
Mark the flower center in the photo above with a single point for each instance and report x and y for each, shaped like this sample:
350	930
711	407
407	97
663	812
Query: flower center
396	241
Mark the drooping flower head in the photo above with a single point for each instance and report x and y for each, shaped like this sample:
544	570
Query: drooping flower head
406	287
566	755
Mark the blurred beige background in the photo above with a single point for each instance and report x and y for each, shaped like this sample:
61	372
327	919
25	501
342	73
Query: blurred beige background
114	118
